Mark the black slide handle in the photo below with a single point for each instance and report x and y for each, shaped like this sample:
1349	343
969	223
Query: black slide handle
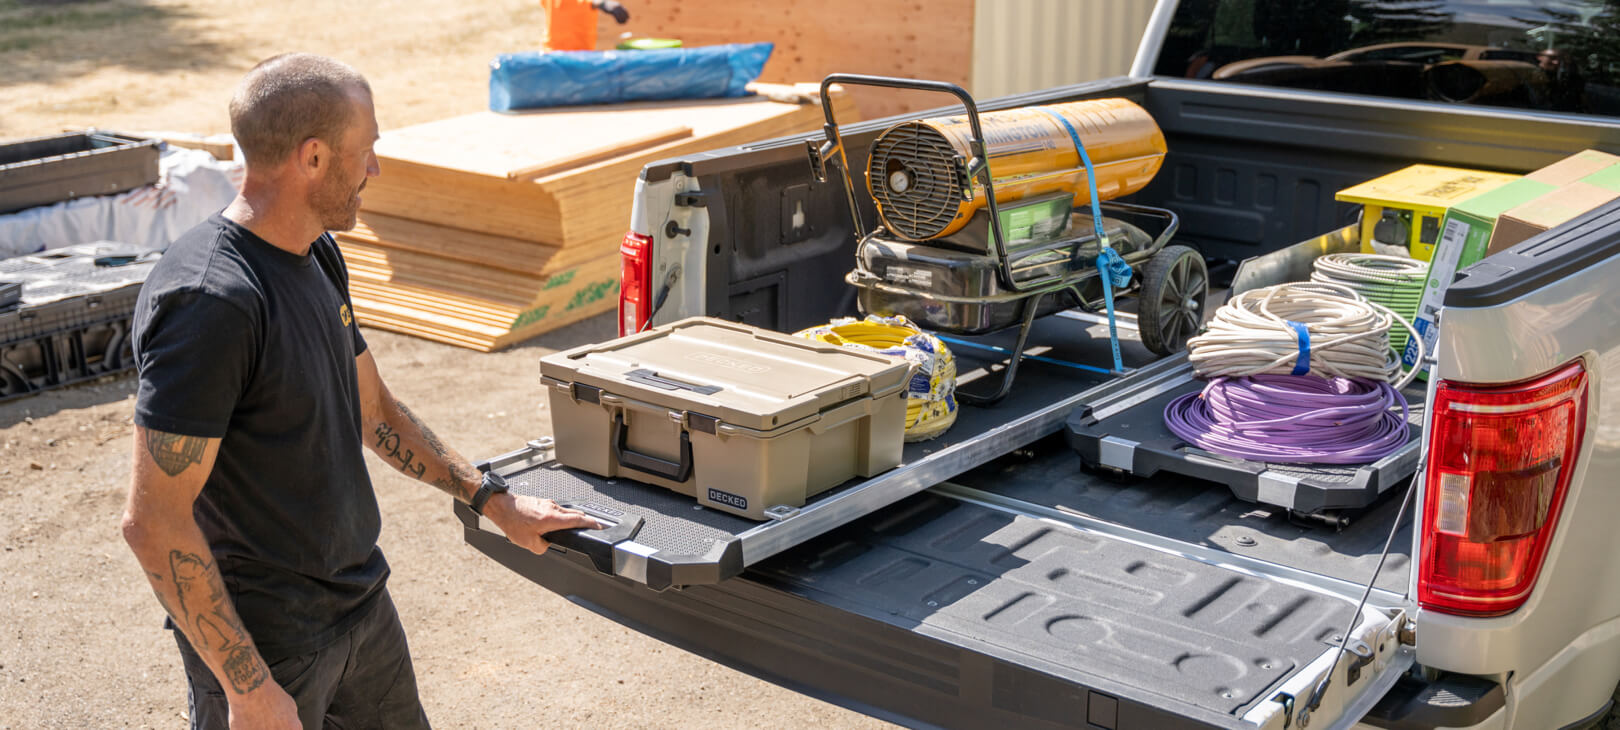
648	377
597	545
673	471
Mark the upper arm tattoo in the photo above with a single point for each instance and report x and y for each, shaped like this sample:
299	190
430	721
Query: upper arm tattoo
173	453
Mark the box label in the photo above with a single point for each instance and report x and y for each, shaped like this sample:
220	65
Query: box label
728	499
1441	271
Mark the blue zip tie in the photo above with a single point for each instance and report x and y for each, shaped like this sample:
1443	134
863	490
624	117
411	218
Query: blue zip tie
1036	358
1303	364
1096	223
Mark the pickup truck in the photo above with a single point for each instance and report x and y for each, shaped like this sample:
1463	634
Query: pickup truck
993	580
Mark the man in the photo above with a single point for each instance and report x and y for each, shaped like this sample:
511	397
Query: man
250	507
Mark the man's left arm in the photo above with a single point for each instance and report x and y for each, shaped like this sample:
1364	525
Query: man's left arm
394	433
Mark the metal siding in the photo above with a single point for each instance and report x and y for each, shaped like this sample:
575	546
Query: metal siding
1028	45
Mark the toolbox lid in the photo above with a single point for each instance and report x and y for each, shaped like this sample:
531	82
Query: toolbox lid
739	374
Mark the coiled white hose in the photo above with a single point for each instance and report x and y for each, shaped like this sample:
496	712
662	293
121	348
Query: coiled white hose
1319	328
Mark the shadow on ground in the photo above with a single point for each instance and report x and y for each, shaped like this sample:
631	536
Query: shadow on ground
49	40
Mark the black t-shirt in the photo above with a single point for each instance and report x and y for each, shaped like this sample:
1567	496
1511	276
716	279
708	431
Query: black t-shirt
238	339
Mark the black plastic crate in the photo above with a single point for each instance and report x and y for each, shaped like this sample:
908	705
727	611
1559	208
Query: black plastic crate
1134	440
72	322
45	170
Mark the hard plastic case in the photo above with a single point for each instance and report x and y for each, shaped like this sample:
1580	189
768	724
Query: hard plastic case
741	418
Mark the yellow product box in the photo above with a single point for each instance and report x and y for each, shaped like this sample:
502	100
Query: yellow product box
1403	210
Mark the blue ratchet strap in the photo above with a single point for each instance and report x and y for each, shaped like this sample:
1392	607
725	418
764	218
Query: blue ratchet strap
1109	262
1303	364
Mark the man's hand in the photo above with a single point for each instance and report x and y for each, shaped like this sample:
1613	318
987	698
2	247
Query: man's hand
267	708
526	520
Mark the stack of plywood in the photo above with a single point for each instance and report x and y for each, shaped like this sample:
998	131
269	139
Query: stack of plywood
487	229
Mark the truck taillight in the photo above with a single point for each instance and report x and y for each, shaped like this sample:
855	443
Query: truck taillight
1500	459
635	282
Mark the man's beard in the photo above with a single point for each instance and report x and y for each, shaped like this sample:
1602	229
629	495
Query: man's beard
334	202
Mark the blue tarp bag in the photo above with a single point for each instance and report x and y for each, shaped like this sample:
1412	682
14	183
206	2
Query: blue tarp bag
534	79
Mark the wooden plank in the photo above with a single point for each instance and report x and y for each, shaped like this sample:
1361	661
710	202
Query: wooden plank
499	252
485	324
496	144
388	265
429	188
608	151
464	200
931	40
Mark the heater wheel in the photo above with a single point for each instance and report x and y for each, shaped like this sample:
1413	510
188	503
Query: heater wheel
1175	286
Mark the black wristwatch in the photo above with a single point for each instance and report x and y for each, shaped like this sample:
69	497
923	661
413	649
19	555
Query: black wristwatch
493	484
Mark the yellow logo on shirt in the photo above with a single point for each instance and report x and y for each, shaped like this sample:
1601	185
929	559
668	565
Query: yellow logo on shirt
343	313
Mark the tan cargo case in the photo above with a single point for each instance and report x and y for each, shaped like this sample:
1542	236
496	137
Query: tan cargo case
741	418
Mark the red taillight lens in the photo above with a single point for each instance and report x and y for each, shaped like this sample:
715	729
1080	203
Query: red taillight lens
1500	459
635	282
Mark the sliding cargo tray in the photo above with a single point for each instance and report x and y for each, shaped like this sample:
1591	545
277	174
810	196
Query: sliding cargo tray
1129	436
661	538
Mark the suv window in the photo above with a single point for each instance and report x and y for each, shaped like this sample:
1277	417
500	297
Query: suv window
1552	55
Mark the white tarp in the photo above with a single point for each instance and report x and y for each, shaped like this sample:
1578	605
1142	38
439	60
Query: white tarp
192	185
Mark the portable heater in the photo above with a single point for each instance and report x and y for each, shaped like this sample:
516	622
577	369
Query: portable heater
987	221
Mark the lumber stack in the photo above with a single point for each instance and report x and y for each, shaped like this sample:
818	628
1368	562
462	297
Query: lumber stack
488	229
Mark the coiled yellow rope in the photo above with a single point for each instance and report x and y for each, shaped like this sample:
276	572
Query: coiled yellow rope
931	389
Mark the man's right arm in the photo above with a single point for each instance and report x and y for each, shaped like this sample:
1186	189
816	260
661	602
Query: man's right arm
169	472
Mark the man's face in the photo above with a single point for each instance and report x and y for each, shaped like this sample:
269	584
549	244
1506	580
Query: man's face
337	199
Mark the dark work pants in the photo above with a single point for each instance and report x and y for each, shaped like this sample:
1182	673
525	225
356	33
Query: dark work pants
363	679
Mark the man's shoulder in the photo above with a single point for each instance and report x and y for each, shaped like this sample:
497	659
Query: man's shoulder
205	260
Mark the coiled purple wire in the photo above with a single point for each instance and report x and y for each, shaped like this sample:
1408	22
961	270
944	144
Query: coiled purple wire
1292	419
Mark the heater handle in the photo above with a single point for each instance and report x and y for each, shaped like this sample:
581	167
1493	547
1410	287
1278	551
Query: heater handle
978	167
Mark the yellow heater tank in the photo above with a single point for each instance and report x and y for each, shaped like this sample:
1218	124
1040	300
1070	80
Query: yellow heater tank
922	194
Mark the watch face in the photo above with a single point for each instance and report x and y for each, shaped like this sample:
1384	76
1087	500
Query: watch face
495	481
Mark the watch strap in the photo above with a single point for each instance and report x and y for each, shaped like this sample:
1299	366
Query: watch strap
492	485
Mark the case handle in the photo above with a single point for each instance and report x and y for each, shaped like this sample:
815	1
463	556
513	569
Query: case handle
674	471
648	377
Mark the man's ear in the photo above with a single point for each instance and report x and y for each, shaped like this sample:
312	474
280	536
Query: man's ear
313	157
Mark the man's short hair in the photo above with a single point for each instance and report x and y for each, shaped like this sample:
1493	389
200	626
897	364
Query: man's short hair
290	98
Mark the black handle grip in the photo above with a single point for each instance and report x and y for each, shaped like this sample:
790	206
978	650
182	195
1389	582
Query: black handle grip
597	544
645	463
648	377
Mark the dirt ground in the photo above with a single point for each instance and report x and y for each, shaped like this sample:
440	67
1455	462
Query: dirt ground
81	644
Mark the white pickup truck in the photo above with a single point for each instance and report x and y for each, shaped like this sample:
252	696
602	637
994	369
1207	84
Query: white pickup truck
992	581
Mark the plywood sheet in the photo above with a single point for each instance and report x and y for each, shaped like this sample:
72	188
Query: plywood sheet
499	145
421	181
575	206
435	302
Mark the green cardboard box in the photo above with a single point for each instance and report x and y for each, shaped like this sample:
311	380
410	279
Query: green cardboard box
1608	177
1464	238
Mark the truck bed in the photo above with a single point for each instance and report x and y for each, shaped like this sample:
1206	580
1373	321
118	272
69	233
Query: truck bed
1168	510
1015	603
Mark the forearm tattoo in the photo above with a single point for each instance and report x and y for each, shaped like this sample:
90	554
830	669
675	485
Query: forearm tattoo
174	453
388	443
205	611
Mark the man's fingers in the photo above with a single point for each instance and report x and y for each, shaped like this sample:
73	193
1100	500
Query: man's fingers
580	519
